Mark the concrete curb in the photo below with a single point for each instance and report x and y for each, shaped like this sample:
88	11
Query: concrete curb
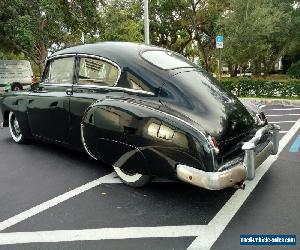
273	101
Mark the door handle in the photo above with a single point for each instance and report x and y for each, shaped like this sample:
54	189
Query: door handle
69	92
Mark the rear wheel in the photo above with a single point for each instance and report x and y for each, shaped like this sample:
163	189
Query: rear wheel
14	129
133	179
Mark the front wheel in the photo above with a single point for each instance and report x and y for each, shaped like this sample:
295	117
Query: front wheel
14	129
16	86
132	179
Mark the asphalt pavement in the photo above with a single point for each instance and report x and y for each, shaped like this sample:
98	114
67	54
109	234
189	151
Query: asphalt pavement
55	198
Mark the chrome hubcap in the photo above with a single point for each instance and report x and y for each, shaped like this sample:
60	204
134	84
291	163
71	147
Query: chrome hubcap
16	127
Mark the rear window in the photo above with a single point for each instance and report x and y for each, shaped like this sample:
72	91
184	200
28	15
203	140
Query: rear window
97	72
167	59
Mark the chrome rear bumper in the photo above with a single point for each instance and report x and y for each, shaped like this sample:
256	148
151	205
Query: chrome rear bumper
252	161
238	173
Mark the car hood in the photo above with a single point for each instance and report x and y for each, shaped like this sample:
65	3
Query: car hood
197	97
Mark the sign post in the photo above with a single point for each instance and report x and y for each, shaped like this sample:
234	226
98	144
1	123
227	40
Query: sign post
146	22
219	46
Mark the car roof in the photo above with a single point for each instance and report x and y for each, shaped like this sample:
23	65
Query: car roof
118	52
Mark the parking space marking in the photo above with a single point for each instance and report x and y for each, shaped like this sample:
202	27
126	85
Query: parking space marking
217	225
111	178
100	234
55	201
283	115
284	109
277	122
282	132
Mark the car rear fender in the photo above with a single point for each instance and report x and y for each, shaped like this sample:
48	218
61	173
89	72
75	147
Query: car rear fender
143	139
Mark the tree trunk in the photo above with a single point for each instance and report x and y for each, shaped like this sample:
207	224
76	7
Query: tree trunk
256	67
232	70
42	57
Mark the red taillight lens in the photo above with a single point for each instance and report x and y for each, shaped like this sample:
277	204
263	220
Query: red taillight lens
214	144
214	141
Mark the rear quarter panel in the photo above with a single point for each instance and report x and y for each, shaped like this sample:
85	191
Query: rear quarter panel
136	137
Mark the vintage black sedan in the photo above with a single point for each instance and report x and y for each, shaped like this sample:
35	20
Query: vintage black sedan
146	111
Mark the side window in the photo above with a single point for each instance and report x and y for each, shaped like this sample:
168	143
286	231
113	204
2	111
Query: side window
97	72
60	71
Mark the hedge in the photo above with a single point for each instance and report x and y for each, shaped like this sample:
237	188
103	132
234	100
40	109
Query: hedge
294	70
263	88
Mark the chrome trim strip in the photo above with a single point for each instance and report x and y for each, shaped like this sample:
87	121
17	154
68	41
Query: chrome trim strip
136	91
84	143
57	85
59	56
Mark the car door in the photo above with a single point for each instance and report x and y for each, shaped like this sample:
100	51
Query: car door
49	105
95	78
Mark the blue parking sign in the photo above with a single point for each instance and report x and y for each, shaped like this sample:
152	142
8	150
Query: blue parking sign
219	42
220	39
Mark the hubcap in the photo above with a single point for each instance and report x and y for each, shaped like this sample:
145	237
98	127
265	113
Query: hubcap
16	127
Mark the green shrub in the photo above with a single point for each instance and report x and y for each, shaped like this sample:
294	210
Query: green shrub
294	70
263	88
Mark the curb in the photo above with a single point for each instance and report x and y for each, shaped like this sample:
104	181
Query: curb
273	101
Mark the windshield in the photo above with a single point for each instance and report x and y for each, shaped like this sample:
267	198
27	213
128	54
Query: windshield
167	59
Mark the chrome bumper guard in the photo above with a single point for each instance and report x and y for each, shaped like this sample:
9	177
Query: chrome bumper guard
237	174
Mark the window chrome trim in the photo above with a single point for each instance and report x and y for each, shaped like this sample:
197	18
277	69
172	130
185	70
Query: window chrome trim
90	56
113	87
58	57
135	91
56	84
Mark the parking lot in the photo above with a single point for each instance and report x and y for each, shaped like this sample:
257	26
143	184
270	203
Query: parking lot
55	198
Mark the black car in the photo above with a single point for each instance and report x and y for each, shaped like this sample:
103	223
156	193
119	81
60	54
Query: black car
146	111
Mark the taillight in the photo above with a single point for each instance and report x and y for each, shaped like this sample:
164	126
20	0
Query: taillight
214	144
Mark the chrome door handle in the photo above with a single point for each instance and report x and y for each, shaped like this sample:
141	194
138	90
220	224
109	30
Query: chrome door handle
69	92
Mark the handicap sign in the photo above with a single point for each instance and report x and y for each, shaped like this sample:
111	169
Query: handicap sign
220	42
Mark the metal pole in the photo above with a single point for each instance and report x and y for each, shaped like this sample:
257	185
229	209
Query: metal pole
82	37
146	22
220	65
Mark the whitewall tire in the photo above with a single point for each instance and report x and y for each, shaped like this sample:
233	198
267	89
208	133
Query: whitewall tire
133	179
14	129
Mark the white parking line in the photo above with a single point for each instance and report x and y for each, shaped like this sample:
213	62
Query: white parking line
100	234
284	115
277	122
55	201
217	225
282	132
285	109
107	179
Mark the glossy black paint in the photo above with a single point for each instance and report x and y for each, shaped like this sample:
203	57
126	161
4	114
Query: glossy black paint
148	131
